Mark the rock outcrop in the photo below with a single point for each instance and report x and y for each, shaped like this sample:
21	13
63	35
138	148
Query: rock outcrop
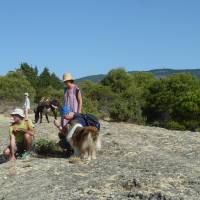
136	162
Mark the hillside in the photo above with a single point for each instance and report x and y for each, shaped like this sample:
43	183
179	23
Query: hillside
157	72
136	162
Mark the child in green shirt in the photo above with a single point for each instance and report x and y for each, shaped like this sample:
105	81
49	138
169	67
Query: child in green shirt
21	134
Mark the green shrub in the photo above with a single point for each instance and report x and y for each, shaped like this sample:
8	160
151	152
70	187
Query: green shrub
197	129
50	93
173	125
91	107
119	111
175	98
191	124
45	147
97	98
13	86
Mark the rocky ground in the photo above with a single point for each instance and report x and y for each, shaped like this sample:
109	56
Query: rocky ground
136	162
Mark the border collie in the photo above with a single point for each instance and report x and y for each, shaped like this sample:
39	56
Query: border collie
84	140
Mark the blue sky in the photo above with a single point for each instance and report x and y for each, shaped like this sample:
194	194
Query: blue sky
88	37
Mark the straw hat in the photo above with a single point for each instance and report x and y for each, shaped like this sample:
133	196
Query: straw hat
26	94
19	112
67	77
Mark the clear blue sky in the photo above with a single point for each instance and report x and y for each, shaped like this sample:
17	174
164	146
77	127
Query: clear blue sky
88	37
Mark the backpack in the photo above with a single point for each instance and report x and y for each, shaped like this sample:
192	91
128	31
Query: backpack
91	120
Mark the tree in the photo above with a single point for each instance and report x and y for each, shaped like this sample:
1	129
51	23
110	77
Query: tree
118	79
143	79
30	73
44	78
56	82
174	100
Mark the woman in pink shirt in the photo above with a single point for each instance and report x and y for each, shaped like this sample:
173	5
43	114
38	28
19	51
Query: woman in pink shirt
72	95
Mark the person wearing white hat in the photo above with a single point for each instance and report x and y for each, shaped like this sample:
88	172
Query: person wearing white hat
21	133
26	105
72	96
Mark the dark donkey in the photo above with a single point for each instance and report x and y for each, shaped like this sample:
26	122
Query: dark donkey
45	107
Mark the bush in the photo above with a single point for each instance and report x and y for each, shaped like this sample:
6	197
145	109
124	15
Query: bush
45	147
173	125
175	98
50	93
91	107
97	98
197	129
191	124
120	95
119	111
13	86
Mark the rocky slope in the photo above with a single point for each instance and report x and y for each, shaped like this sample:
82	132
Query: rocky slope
135	162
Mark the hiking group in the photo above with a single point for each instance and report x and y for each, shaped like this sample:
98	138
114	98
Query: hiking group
21	130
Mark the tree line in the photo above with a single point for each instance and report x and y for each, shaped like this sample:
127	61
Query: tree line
172	102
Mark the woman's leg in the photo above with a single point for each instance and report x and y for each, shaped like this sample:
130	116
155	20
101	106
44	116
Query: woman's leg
27	142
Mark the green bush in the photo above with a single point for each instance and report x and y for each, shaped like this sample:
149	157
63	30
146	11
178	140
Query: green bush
173	125
120	95
13	86
119	111
45	147
51	93
118	79
191	124
175	98
97	98
91	107
197	129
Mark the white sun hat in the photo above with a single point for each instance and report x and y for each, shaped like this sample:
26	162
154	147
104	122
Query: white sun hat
26	94
67	77
18	111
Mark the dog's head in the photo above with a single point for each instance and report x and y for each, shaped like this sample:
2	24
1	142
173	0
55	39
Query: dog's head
55	104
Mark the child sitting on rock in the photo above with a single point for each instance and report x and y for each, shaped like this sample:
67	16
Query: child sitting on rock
21	134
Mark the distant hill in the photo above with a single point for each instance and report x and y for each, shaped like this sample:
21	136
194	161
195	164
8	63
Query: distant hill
157	72
93	78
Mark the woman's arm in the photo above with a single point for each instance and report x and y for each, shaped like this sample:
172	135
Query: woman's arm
80	102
